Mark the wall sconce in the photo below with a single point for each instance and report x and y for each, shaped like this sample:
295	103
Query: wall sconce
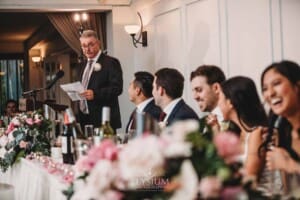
80	19
37	60
132	30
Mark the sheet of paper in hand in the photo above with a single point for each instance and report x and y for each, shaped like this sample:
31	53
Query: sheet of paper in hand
73	90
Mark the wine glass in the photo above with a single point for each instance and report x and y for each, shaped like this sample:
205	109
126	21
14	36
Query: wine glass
89	130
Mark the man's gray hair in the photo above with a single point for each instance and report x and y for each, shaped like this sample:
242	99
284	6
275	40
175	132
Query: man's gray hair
89	33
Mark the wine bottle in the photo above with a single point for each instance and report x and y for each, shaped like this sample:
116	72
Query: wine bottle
67	142
77	132
106	131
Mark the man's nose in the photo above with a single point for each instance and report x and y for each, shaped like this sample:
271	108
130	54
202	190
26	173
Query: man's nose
195	95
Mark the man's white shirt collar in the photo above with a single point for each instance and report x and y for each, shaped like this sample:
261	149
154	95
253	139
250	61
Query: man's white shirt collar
217	111
95	58
142	105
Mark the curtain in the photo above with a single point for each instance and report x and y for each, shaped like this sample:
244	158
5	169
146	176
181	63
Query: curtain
69	29
11	80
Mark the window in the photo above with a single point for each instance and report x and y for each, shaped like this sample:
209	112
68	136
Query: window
11	80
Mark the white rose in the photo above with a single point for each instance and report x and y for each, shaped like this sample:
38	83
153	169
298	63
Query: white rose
180	129
3	140
97	67
2	152
102	175
140	161
188	181
178	149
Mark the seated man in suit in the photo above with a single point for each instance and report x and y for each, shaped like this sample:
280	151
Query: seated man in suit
140	93
205	82
167	91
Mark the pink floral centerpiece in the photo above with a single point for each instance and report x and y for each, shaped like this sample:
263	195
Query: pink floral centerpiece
26	133
181	163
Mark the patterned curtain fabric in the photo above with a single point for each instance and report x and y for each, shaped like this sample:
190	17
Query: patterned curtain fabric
67	27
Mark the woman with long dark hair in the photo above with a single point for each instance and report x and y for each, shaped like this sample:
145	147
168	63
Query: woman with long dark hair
240	103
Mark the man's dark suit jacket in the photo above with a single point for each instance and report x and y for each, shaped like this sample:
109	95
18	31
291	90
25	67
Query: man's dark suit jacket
181	112
107	84
151	109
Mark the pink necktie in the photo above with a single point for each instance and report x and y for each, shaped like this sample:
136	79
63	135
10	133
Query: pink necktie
85	81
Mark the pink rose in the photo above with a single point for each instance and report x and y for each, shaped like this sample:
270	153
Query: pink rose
37	121
106	150
10	128
69	178
109	149
85	164
210	187
229	193
29	121
228	145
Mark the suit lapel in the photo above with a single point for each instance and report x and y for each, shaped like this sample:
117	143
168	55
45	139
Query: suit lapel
148	106
82	67
174	111
100	60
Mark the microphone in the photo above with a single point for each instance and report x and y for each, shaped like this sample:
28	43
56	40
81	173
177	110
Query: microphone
274	125
58	75
31	91
278	122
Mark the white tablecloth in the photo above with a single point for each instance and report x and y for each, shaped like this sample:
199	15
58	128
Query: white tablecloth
32	182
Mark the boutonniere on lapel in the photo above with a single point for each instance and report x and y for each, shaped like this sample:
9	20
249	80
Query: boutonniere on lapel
162	125
97	67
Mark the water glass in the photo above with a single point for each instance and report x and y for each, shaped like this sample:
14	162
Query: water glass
56	154
82	147
89	130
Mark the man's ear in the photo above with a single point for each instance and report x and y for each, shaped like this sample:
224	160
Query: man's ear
138	91
161	91
216	87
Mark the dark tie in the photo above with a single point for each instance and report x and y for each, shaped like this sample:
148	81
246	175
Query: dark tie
162	116
85	81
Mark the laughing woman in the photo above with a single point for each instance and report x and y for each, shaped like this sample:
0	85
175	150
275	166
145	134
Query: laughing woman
281	90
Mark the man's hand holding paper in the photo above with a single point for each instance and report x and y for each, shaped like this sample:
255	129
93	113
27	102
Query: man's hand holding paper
87	94
74	91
